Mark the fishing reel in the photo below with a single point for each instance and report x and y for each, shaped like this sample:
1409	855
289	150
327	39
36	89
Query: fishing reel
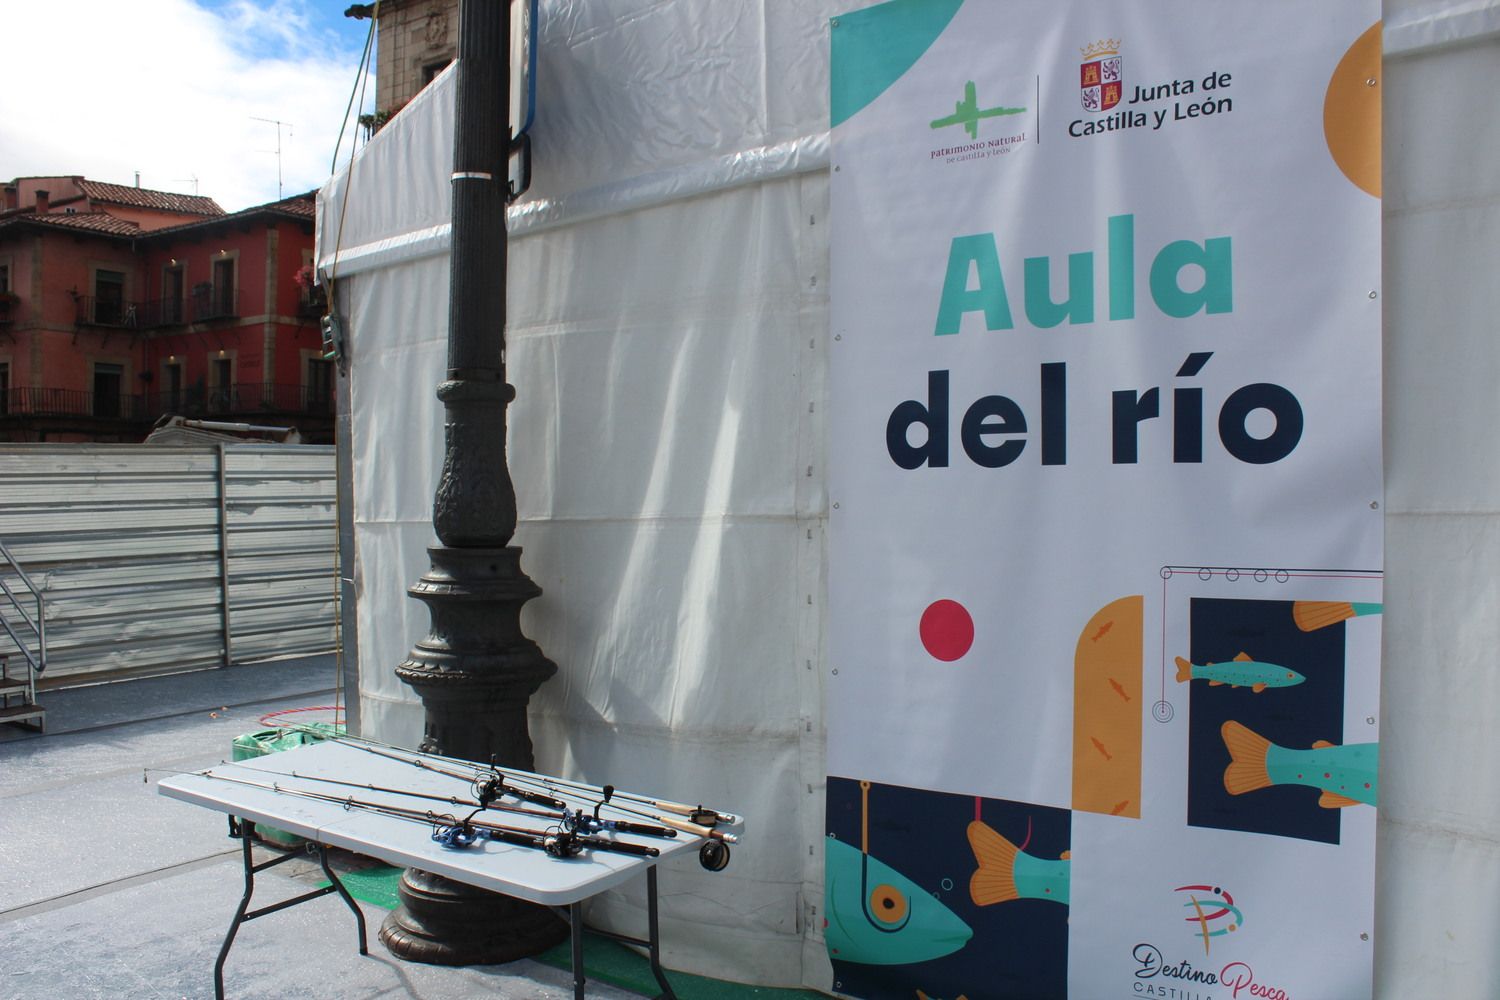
562	845
714	855
459	835
489	787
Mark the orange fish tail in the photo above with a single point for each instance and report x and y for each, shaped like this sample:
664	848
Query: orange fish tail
995	879
1313	615
1184	670
1247	759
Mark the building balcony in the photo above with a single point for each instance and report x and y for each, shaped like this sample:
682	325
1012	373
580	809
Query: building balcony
213	302
108	312
28	402
249	402
312	303
159	313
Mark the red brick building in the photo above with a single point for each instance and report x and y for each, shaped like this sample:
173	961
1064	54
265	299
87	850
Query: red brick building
119	305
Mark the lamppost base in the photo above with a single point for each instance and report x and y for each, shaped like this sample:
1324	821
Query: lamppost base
443	922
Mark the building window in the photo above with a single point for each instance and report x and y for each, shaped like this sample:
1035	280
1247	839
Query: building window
224	288
109	298
218	298
107	383
319	385
221	381
173	288
431	70
171	379
4	388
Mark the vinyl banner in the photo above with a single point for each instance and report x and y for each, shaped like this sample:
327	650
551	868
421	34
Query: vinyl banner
1105	488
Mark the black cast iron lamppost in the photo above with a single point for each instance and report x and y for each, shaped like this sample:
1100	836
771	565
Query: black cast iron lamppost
475	670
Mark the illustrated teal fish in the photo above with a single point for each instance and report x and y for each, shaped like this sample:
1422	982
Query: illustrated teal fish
1006	872
1239	672
1346	775
878	916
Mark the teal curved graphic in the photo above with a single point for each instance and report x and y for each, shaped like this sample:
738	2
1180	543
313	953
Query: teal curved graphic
873	48
878	916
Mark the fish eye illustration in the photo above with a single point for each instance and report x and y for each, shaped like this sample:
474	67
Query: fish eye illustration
887	905
878	916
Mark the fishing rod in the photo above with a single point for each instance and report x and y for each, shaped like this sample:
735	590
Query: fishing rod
576	819
699	815
452	832
486	783
712	855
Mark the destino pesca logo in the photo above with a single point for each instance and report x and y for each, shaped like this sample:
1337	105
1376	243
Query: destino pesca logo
1100	80
969	114
1214	913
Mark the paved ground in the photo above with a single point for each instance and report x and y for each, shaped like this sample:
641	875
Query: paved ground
110	890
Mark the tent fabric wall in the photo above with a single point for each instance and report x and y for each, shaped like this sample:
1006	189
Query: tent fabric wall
1438	852
667	339
667	441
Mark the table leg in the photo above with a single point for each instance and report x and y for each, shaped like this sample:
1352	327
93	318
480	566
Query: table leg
653	929
652	941
359	917
244	830
575	918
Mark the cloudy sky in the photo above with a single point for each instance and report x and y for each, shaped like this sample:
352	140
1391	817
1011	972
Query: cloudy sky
173	89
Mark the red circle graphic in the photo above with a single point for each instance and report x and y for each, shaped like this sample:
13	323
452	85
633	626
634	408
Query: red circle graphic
947	630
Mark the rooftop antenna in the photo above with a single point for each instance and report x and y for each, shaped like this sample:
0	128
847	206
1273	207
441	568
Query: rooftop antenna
184	180
278	123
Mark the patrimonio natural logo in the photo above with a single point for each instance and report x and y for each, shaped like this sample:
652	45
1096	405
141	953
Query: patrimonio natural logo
968	113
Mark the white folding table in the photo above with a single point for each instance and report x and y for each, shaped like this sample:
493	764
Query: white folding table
523	872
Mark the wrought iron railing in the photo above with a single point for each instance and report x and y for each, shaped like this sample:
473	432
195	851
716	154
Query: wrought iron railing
312	303
28	401
163	312
210	301
242	399
94	310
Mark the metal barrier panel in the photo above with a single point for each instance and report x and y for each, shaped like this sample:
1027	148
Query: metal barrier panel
283	546
128	544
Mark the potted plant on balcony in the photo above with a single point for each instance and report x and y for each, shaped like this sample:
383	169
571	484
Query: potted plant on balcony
8	302
313	302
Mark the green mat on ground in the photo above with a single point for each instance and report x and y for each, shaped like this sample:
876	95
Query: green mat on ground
375	885
603	959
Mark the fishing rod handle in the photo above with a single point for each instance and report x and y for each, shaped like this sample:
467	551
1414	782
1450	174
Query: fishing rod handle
698	831
619	847
536	798
625	826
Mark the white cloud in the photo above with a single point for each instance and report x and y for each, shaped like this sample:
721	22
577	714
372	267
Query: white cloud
106	88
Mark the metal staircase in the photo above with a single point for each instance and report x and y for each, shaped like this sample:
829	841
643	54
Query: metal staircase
27	631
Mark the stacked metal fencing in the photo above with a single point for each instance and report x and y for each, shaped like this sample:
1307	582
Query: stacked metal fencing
154	558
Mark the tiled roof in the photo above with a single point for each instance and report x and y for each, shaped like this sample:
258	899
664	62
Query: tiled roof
165	201
97	222
302	206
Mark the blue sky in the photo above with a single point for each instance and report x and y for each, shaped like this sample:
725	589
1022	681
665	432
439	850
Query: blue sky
291	29
173	90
